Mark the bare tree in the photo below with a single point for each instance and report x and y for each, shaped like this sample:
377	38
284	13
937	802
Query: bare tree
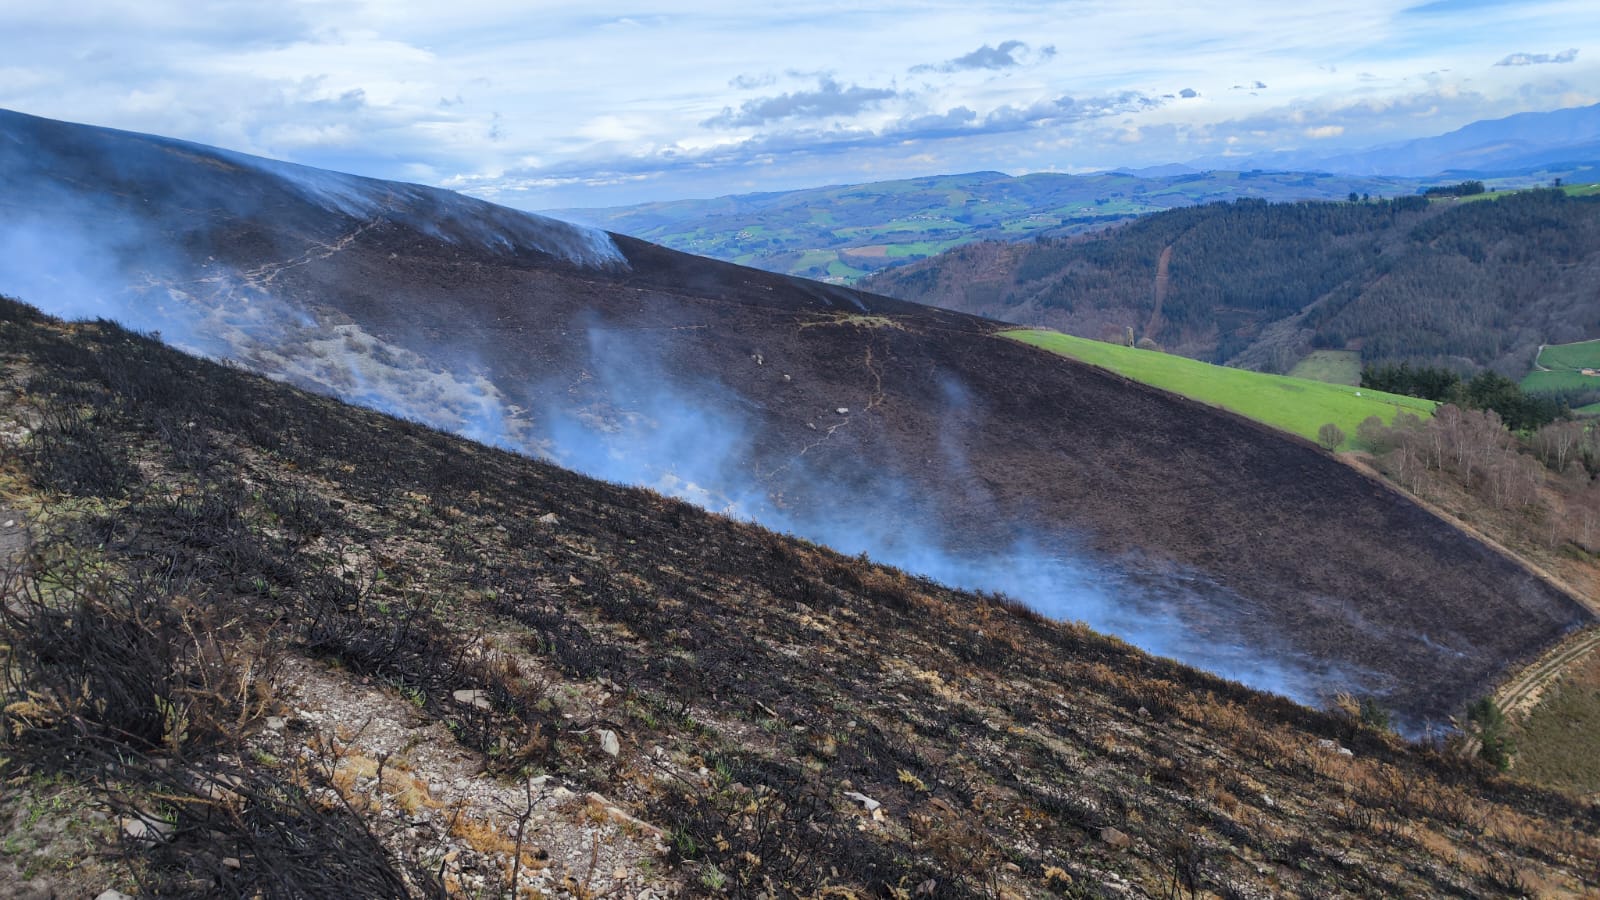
1330	436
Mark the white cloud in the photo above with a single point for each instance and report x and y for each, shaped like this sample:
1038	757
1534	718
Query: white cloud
475	89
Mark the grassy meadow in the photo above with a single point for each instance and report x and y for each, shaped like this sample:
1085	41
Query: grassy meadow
1296	405
1332	366
1558	367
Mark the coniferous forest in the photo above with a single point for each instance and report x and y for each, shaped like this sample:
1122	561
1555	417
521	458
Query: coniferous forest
1453	283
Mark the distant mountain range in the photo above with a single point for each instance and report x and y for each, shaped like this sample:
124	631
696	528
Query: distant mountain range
842	233
1524	143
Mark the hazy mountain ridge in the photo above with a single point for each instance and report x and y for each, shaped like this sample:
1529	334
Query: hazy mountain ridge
1517	142
1480	284
843	232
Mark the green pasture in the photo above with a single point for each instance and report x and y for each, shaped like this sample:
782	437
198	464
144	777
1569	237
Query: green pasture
1331	366
1564	363
1296	405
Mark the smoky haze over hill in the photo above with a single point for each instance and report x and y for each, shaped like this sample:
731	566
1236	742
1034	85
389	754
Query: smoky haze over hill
869	424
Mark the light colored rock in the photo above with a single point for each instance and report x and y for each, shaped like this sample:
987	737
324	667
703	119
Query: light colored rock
475	698
144	829
1346	751
620	816
866	802
112	894
549	519
277	723
230	862
843	410
609	742
1115	838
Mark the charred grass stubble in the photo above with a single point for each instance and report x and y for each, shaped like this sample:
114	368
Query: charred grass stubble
142	669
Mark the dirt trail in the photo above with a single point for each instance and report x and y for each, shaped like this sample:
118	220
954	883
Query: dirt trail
1163	283
1522	692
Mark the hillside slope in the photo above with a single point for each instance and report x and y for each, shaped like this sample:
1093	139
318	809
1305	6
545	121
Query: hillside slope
869	424
375	659
1254	284
840	233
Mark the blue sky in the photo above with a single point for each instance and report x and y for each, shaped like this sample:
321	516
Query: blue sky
550	104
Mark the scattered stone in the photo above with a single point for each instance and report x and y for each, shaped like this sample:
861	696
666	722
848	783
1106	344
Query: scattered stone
10	523
549	519
786	378
866	802
1346	751
619	873
230	862
1144	713
479	699
277	723
609	742
144	829
1115	838
112	894
843	410
1325	744
620	816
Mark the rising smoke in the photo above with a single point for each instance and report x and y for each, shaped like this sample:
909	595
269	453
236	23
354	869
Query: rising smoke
637	420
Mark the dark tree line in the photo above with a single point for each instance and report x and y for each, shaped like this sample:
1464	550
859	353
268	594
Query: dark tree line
1484	391
1463	189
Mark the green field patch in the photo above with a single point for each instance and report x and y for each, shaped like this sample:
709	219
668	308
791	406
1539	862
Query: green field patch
1592	409
1581	355
921	248
1558	382
874	251
1296	405
841	269
1565	367
1331	366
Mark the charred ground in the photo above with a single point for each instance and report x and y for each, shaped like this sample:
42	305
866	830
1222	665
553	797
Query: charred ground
201	532
836	408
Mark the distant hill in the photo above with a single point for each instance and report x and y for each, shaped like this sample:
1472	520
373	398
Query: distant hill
1259	285
1524	141
843	232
